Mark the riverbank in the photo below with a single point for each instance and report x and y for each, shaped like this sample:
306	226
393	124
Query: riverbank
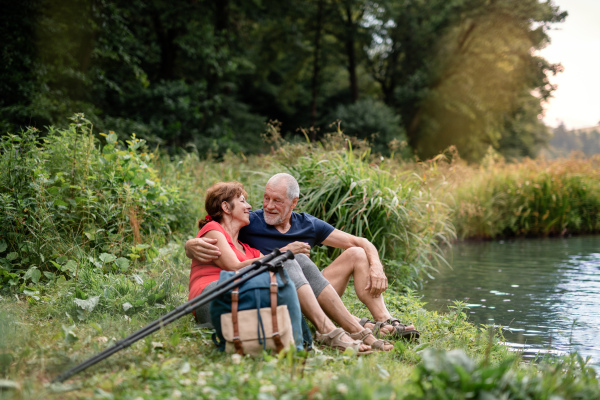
45	332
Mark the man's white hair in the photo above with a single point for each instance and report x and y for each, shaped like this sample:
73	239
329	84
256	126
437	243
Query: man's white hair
291	184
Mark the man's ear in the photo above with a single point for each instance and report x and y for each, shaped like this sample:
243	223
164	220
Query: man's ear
294	203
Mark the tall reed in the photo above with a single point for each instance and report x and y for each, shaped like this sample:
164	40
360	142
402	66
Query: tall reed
396	212
531	198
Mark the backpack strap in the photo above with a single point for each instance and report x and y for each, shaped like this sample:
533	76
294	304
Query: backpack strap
239	349
276	336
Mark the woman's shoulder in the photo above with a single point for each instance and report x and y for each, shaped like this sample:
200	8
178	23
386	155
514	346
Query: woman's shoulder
211	226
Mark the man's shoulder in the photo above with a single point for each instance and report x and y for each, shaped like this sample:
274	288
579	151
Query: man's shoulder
303	215
306	219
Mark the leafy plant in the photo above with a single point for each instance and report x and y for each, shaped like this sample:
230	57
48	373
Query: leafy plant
453	375
64	197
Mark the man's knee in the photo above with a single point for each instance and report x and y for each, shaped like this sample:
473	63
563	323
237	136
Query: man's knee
295	273
356	254
312	273
303	259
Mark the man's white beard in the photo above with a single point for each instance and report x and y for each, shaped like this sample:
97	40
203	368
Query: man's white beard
273	219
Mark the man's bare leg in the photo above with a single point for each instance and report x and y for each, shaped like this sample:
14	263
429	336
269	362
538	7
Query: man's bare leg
312	310
353	263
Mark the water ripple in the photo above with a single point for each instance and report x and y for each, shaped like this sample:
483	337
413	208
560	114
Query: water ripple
544	293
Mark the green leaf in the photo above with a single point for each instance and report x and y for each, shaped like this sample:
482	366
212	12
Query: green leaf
61	259
70	266
107	257
110	157
111	138
122	263
89	304
3	245
69	333
49	275
34	274
12	256
60	203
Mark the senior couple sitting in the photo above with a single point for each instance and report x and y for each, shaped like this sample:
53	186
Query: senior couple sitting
231	237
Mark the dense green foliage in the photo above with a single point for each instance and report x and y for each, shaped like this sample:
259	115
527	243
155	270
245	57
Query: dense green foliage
533	198
68	202
208	74
453	375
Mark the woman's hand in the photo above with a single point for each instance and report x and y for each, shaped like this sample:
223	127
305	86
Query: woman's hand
297	248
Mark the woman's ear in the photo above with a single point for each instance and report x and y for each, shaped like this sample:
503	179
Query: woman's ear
225	207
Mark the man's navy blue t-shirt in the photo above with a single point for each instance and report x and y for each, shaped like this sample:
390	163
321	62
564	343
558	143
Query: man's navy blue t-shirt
305	228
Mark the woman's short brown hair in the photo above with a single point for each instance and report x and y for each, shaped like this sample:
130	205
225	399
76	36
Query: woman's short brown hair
216	195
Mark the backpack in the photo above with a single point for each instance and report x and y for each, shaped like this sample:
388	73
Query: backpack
254	309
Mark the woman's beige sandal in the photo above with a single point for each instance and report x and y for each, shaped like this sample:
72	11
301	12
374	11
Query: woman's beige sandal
378	344
333	340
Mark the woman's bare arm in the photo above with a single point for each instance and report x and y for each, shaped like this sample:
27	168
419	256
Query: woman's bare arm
227	260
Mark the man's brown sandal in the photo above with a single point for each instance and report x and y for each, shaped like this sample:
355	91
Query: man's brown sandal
378	344
333	340
399	332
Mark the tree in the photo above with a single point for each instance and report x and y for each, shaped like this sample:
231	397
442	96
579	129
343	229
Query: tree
456	70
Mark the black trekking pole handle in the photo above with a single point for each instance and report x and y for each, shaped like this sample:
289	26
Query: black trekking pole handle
273	260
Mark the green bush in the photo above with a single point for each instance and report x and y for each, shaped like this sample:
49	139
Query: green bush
65	198
394	211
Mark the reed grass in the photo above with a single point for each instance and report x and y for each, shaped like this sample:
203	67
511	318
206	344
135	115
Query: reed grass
395	211
531	198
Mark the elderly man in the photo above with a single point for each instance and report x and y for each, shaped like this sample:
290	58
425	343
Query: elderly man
277	226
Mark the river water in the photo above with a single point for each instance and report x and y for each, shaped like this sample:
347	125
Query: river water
545	293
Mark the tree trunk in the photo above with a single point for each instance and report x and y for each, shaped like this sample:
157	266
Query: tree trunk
166	41
351	52
221	15
316	70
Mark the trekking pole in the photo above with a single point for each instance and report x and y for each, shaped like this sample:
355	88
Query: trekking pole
271	261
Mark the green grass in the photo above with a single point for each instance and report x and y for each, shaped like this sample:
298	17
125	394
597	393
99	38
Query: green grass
43	334
38	340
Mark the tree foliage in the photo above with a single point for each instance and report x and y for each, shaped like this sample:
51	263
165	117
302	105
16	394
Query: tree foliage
210	73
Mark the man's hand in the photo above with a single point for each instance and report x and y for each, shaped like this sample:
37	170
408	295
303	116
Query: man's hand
297	248
202	250
377	282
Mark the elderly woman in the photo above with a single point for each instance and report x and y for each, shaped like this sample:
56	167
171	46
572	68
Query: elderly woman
228	212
